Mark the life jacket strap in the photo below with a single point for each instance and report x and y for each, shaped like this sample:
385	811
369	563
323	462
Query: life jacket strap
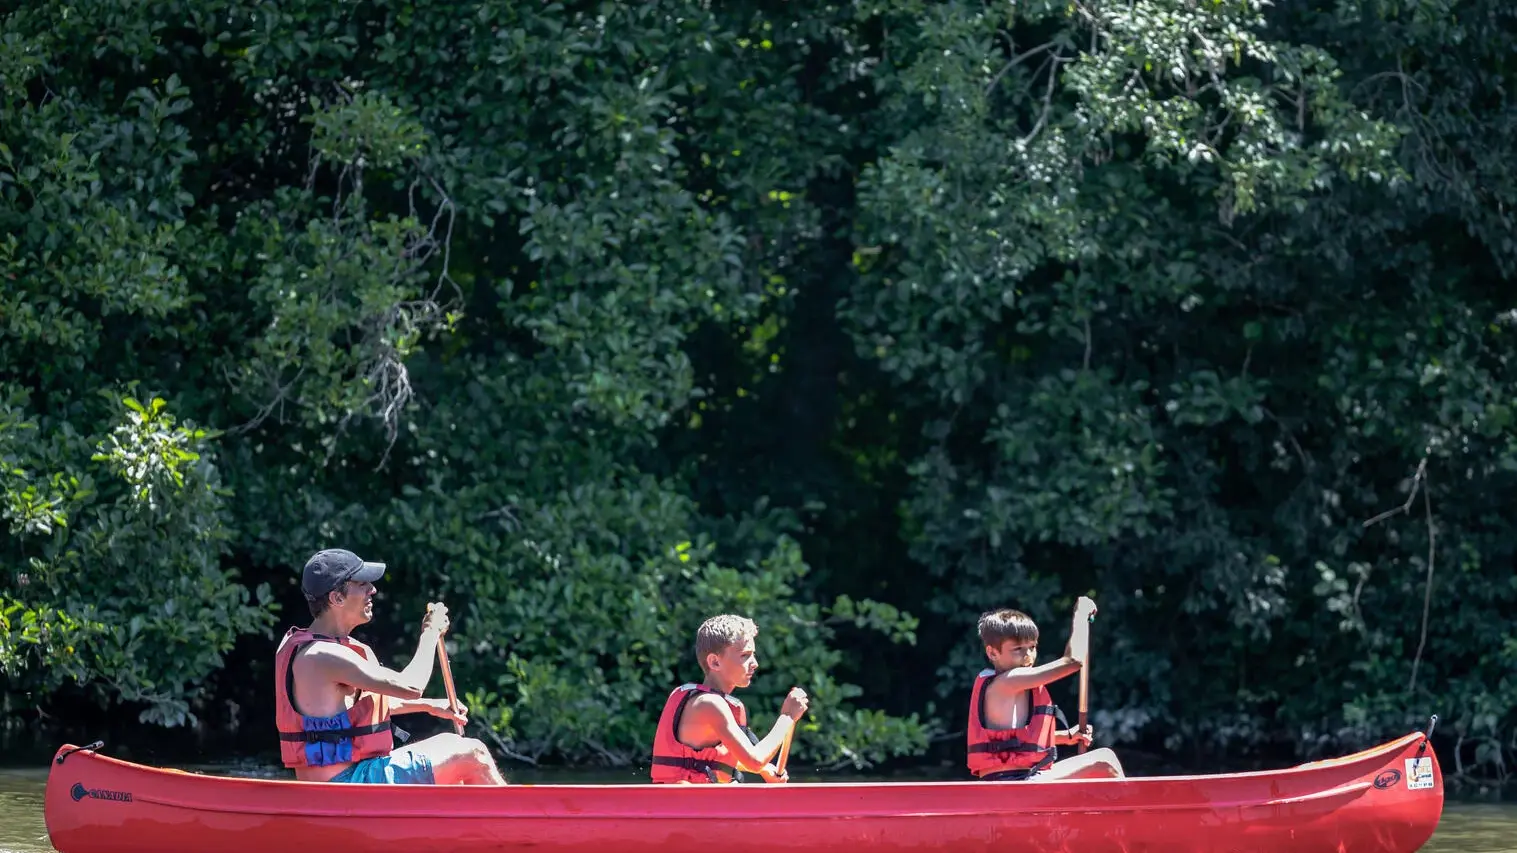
334	735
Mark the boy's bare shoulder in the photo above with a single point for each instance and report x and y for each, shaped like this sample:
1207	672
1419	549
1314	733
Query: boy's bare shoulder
1000	685
706	703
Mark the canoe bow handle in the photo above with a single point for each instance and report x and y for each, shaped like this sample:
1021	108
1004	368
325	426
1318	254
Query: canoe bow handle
91	747
1427	737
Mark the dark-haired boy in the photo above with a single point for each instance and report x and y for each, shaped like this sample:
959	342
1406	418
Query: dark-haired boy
1012	731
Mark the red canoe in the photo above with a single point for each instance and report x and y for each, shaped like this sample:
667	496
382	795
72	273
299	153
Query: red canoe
1387	799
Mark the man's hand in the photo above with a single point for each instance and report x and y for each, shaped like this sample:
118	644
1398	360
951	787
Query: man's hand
1075	735
795	704
774	775
440	708
436	618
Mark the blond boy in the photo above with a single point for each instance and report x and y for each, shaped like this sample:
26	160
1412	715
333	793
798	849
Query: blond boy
703	733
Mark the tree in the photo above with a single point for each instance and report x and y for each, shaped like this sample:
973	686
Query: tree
595	319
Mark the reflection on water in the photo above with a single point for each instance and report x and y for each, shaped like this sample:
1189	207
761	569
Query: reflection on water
1475	828
21	827
1465	827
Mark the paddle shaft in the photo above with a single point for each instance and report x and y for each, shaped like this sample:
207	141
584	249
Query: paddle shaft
779	763
1084	689
447	680
785	747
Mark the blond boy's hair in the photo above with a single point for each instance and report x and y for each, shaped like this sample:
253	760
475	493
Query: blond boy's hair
719	632
998	626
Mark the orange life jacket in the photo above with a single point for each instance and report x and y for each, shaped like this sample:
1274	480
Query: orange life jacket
1008	754
364	731
673	761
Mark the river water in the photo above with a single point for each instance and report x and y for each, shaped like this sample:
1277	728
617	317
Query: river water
1466	827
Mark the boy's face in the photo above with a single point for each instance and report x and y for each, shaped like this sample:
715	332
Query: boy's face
1012	654
736	664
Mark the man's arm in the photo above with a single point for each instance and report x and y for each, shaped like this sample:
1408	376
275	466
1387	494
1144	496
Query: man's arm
417	706
435	707
345	666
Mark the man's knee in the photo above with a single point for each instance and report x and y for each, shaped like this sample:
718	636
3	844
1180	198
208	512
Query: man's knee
476	751
472	757
461	760
1107	760
457	748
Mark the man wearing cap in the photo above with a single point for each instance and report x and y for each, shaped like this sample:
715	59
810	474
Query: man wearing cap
333	700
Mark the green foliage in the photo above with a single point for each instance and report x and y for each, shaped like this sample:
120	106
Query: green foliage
596	319
1192	307
118	582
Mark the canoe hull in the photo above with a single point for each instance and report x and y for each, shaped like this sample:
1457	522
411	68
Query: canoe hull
1383	800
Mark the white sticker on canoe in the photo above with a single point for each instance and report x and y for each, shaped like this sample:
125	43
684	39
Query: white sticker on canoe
1419	773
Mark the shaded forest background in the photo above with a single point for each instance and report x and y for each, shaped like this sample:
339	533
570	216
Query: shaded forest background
860	318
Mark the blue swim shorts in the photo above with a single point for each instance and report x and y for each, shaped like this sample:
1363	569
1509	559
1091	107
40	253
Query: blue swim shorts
398	768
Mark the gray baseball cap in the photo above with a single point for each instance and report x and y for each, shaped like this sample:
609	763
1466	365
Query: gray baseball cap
327	570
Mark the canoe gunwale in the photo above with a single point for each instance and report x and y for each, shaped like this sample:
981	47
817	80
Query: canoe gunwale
1360	803
1372	755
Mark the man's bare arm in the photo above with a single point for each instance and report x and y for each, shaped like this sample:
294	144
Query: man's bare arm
345	666
416	706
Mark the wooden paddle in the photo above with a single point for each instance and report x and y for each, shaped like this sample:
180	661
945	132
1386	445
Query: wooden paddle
1084	689
447	678
785	747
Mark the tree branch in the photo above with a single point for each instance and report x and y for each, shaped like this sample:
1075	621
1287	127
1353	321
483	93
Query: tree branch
1015	61
1087	345
1427	594
1053	76
1419	481
506	748
1306	461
